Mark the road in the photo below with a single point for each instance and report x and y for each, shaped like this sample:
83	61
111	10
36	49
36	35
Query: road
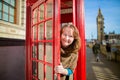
102	70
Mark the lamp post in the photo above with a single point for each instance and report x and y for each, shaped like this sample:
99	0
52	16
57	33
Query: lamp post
91	37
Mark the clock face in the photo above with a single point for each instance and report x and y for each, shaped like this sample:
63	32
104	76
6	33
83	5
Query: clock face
99	19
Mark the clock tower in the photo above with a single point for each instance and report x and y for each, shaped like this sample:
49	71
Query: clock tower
100	26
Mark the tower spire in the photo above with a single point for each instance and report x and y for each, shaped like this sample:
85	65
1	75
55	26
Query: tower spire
100	13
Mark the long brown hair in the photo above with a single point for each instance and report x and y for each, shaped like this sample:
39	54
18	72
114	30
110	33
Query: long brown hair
75	46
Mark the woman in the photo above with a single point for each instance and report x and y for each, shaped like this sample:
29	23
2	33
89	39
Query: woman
70	44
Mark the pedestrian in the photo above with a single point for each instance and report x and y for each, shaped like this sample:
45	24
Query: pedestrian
108	49
96	50
70	44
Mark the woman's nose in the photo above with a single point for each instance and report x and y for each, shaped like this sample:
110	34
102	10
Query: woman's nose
67	37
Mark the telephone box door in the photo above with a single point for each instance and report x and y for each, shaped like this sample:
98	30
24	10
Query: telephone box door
43	37
43	40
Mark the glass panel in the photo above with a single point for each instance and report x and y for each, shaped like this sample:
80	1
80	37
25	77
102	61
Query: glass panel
34	51
8	12
5	8
34	68
35	16
49	8
5	17
8	1
41	51
0	6
12	11
49	29
40	71
48	73
0	10
41	10
35	32
49	56
0	15
11	18
41	31
13	2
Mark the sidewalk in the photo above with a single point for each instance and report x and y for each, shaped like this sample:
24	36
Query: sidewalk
102	70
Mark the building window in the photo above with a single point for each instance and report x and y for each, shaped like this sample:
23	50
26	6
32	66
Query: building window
7	10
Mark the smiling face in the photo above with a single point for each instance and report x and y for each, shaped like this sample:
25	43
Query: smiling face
67	37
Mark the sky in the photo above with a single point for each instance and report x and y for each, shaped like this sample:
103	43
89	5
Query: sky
111	12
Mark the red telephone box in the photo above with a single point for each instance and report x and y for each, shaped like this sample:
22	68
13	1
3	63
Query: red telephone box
44	18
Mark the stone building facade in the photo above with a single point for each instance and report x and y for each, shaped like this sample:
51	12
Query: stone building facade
12	39
12	19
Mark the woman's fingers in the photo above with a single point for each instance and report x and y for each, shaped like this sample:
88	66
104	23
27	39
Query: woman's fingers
59	69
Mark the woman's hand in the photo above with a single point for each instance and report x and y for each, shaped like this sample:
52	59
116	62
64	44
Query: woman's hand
59	69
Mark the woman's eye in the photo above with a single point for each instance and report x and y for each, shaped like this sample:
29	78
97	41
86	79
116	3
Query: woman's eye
65	34
70	36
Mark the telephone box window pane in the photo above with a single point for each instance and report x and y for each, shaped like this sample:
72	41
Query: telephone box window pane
41	51
49	30
48	73
34	52
5	17
49	56
34	68
35	16
41	31
40	72
49	8
35	32
41	11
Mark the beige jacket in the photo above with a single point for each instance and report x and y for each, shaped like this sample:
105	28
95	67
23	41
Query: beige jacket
68	60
